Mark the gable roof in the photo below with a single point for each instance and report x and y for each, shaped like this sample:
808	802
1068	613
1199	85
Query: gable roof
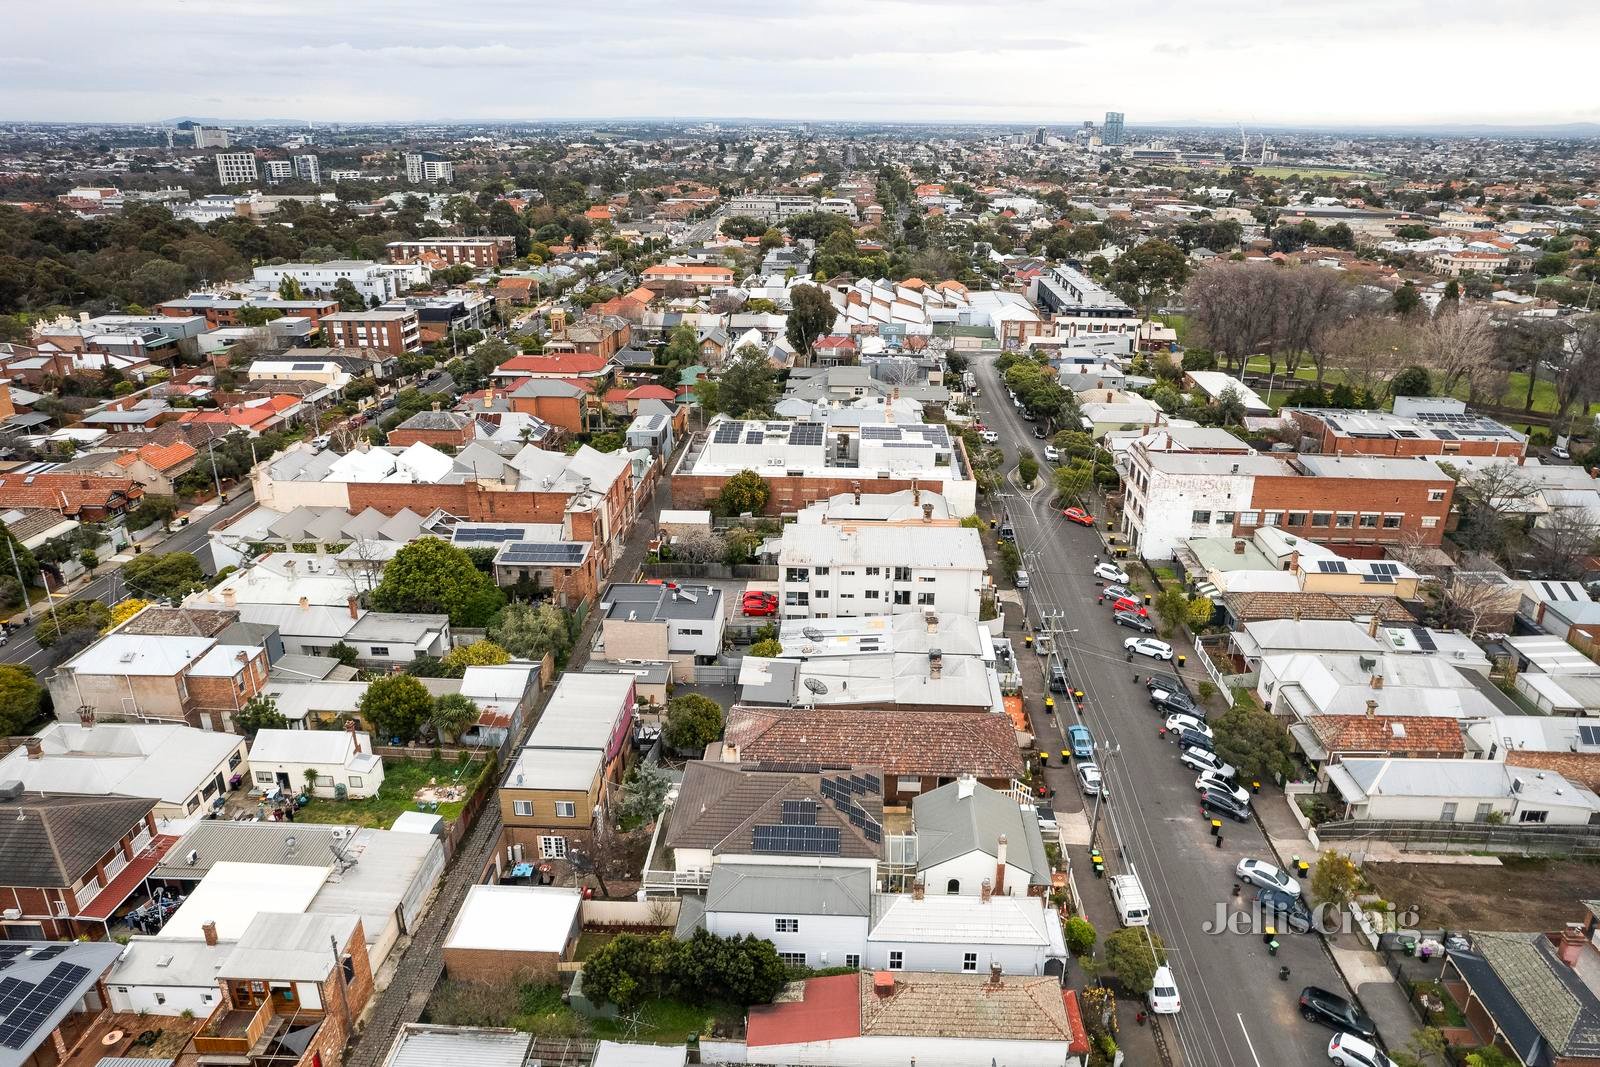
159	457
954	820
720	805
53	839
1541	1005
1388	733
901	742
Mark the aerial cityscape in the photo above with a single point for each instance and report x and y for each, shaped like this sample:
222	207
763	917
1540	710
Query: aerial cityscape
560	538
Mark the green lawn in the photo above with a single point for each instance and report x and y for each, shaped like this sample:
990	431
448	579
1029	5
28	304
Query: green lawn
539	1010
401	779
1313	172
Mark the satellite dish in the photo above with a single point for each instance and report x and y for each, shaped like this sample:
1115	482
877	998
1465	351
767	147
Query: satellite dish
812	633
816	685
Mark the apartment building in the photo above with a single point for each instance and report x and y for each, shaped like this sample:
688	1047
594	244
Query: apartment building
277	170
772	208
697	275
1085	310
220	313
211	137
474	251
308	169
828	571
236	168
1356	504
372	280
428	167
385	329
1418	426
1457	264
807	461
157	678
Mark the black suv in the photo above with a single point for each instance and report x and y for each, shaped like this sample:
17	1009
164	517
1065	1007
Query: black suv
1058	680
1330	1009
1216	802
1170	683
1287	911
1174	703
1135	620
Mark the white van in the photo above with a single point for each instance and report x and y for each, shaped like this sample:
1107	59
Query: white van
1128	895
1022	579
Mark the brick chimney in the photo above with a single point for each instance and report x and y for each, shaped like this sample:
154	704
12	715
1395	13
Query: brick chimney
86	716
855	489
917	889
1372	627
35	748
935	663
1238	548
932	620
1294	562
927	513
1000	866
1570	946
230	597
916	493
1376	682
355	738
986	891
355	608
883	983
210	932
995	970
436	405
1372	708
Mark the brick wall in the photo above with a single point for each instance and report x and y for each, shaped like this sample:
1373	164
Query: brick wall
454	438
496	966
1357	497
1332	444
563	411
691	491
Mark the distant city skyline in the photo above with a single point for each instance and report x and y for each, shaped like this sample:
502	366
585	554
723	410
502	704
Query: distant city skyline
1222	62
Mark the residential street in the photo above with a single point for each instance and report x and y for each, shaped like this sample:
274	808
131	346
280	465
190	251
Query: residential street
1236	1010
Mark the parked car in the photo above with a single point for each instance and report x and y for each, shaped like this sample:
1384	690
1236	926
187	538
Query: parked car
1052	454
1167	703
1080	741
1115	592
1195	739
1007	533
1287	911
1148	646
1215	803
1058	678
1111	573
1265	875
1203	759
755	602
1560	453
1182	722
989	437
1077	515
1347	1049
1128	603
1171	683
1213	780
1330	1009
320	442
1089	779
1022	579
1134	620
1163	996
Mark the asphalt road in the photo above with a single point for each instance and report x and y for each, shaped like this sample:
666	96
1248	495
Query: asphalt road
109	588
1236	1010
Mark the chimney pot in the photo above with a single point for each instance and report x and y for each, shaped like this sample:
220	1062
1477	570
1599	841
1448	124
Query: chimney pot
917	889
355	609
210	932
1000	866
436	405
995	970
305	604
1372	627
927	513
1372	708
1571	946
1377	681
986	891
230	597
35	748
1238	548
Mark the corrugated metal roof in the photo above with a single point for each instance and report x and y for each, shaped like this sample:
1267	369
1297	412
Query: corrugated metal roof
458	1046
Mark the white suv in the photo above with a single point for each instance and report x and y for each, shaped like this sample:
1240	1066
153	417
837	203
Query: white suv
1111	573
1148	646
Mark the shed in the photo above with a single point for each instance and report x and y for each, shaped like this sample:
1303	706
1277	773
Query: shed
418	822
512	930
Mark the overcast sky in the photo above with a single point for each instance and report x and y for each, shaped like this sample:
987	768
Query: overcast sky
1030	61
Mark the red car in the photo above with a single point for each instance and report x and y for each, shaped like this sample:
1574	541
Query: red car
1079	516
758	603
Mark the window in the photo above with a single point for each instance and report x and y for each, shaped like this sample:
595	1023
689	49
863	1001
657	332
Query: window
1271	518
902	574
897	960
1532	816
969	961
380	651
786	926
1296	518
1248	518
691	633
902	596
1369	522
522	807
796	574
1448	812
1483	811
233	760
793	959
953	887
566	809
818	572
1436	496
1430	521
873	572
1201	518
1345	520
924	598
852	960
871	594
323	781
820	594
1225	518
1321	518
1392	522
265	777
356	781
553	848
796	599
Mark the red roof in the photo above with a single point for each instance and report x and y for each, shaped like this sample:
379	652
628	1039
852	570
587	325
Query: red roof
650	392
1079	1045
830	1010
246	416
833	341
159	457
556	366
127	880
619	395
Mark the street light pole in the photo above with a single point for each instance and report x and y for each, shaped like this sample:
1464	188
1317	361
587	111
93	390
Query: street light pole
1108	752
215	480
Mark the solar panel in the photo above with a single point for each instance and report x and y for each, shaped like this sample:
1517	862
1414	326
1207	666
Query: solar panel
487	534
307	366
11	993
50	953
1332	566
874	834
548	552
728	433
1385	568
806	433
755	437
880	433
1424	639
800	812
874	783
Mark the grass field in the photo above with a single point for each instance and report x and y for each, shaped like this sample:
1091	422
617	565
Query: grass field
401	779
1314	172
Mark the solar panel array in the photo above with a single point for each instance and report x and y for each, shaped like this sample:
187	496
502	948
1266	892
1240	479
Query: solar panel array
535	552
25	1007
804	840
729	433
307	366
843	789
1332	566
800	813
880	433
806	433
487	534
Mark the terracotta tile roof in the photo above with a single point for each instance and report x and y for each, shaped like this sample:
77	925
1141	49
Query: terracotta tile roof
243	416
1253	607
693	270
821	1009
1582	768
901	742
67	493
515	283
650	392
557	365
926	1004
159	457
720	804
1377	733
641	294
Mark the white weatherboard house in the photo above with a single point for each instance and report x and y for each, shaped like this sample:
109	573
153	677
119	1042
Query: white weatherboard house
966	935
972	839
1460	790
816	916
339	757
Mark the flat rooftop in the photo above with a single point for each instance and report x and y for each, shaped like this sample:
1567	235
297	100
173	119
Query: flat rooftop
1423	426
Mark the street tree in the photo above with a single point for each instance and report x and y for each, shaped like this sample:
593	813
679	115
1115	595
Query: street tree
169	575
20	698
1254	740
74	617
1132	956
397	706
811	315
1458	343
430	575
1336	880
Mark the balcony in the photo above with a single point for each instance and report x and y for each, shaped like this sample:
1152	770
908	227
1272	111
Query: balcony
269	1036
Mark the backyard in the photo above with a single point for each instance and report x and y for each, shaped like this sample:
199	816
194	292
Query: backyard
539	1009
1523	894
401	780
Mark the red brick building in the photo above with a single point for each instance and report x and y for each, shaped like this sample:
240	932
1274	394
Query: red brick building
396	332
1440	428
435	428
219	313
473	251
560	403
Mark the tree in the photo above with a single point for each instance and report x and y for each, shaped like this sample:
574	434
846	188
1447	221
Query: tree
1149	273
1406	299
1229	407
259	713
1577	374
20	698
745	492
1412	381
345	654
1563	542
529	632
747	385
1452	292
767	649
643	795
396	706
477	654
1458	342
628	970
289	288
1080	935
1490	499
349	297
1551	263
811	314
1201	611
1369	350
453	714
1027	468
169	575
1424	1048
693	722
741	226
430	575
1132	956
123	611
1074	480
1335	880
743	970
1254	740
75	616
1172	604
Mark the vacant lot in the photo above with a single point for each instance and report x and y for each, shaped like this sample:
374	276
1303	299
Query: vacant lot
1521	895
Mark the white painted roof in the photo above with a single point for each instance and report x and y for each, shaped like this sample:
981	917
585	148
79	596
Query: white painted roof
141	655
131	759
515	918
333	748
233	894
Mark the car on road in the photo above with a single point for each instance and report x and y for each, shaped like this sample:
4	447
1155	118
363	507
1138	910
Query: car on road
1038	433
1163	996
1214	803
1347	1050
1265	875
1022	579
1089	779
1007	531
1080	741
756	602
1171	683
1116	592
1560	453
1330	1009
1111	573
1148	646
1077	515
1203	759
1052	454
1133	620
1028	416
1181	721
1212	780
321	441
1285	910
989	437
1167	703
1058	678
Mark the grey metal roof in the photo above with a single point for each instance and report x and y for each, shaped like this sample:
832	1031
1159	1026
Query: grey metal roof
396	626
776	889
247	842
648	602
458	1046
289	947
949	825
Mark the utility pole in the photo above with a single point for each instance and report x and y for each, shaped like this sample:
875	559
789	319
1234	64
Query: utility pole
1107	753
215	480
26	599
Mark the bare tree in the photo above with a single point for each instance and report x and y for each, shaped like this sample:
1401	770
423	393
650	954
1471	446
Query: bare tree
1311	301
1577	375
1564	542
1468	600
700	547
1531	345
1459	344
1369	350
1231	307
1489	499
